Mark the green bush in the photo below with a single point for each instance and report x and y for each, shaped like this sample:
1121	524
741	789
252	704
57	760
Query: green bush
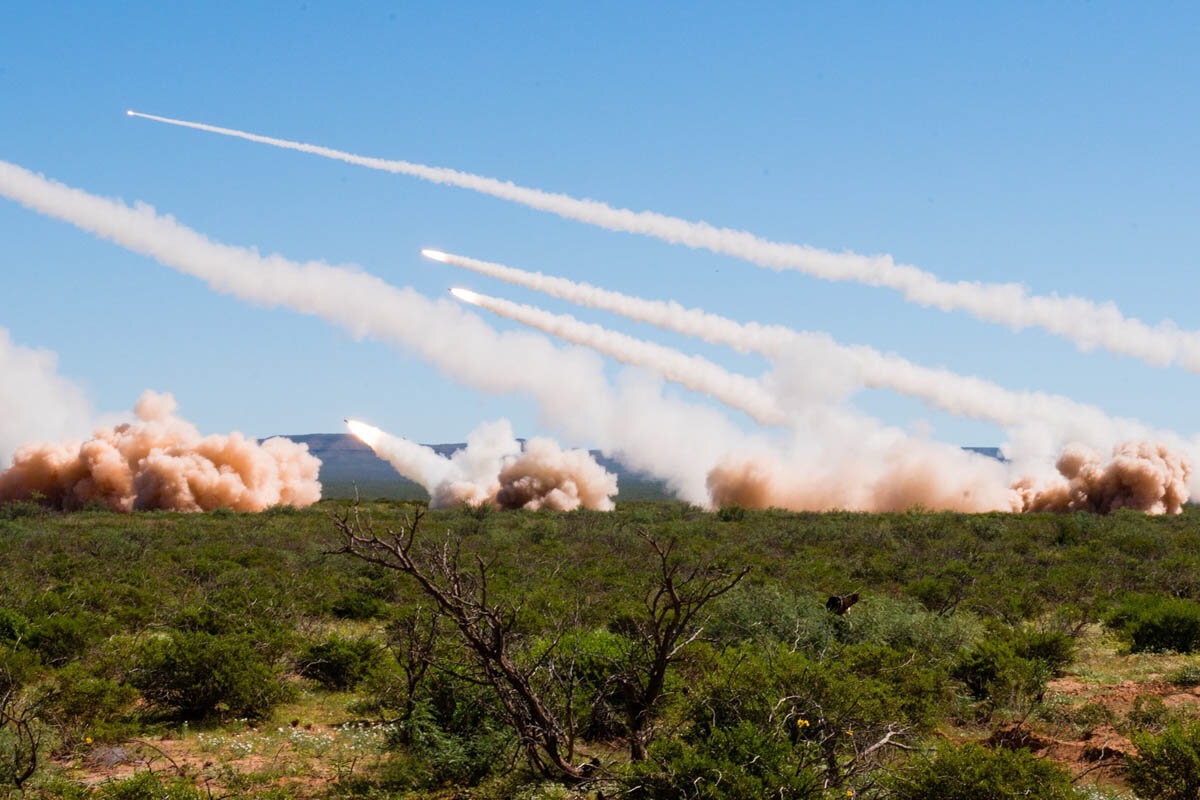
80	704
972	772
741	762
991	670
197	675
1153	623
150	786
450	739
14	628
338	663
17	509
1054	649
1167	766
359	605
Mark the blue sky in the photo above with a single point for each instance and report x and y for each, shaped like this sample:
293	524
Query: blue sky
1051	144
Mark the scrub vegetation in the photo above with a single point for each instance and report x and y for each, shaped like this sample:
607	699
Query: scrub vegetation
659	651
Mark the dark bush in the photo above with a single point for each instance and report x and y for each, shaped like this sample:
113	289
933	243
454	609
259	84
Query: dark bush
1153	623
64	636
338	663
991	670
359	605
79	704
1167	765
196	675
741	762
1055	649
14	628
18	509
972	772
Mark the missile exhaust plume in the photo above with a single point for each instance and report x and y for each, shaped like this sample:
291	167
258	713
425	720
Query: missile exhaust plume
569	386
494	469
676	441
1086	323
162	461
36	402
693	372
845	368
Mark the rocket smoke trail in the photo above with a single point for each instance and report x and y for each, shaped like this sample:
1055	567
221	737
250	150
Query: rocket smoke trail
1086	323
843	368
698	451
493	468
569	385
693	372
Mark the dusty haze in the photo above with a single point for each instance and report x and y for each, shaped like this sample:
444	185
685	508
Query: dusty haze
161	461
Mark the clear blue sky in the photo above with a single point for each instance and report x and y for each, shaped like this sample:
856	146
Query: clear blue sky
1052	144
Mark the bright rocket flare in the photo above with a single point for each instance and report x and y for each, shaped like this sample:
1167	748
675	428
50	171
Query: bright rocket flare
368	434
436	255
466	295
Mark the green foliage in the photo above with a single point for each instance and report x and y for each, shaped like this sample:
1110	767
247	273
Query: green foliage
339	663
740	762
1054	649
196	675
202	612
972	772
19	509
1186	676
449	739
80	705
359	605
1167	765
1154	623
150	786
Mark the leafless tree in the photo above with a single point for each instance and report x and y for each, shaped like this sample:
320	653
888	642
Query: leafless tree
672	605
19	715
487	629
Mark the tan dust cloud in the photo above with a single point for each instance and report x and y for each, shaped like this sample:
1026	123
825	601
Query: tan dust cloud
1141	475
161	461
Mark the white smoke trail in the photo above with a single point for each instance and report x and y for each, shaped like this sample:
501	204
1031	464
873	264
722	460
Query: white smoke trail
35	401
1086	323
693	372
494	469
843	368
569	385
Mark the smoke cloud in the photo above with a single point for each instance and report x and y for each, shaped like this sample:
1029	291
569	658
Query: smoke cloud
1045	422
1144	476
693	372
161	461
569	385
835	460
35	401
493	469
1086	323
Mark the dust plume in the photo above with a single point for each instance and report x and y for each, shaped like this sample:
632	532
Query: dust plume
843	369
693	372
1086	323
840	459
1141	475
494	469
569	384
160	461
36	402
